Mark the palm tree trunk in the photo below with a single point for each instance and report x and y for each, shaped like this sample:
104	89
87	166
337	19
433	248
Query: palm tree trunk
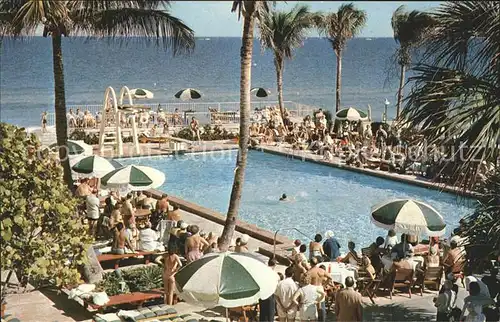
60	107
400	91
338	85
278	63
241	160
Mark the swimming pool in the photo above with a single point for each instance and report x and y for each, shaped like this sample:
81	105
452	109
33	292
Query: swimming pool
325	197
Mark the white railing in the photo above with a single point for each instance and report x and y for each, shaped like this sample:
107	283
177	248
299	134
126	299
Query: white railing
181	112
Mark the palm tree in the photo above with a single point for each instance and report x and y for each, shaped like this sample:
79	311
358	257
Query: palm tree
149	19
459	74
250	10
339	27
282	32
409	29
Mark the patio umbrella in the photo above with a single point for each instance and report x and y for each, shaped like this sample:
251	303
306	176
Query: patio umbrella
188	94
133	177
260	92
369	113
225	279
408	216
141	93
93	166
350	114
75	148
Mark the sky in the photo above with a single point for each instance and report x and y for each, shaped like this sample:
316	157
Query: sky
214	18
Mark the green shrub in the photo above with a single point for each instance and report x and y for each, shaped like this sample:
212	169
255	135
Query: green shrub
144	278
112	284
208	134
42	236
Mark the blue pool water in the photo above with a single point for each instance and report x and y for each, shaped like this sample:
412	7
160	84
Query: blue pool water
325	197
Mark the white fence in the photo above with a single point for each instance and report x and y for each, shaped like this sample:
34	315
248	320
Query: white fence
180	113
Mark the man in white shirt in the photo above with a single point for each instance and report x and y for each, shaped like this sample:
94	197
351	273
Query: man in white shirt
148	239
284	295
92	203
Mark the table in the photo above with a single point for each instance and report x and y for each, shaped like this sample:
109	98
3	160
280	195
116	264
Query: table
339	271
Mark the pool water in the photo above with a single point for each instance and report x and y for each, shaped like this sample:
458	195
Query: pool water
323	197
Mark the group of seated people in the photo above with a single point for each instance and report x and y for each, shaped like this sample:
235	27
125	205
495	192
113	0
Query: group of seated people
83	119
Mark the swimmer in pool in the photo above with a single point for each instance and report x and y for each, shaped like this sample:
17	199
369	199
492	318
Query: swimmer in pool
283	197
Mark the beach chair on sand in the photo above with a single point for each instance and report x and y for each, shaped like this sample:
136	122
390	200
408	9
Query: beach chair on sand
146	138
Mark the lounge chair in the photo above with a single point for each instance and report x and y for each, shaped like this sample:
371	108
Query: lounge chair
145	138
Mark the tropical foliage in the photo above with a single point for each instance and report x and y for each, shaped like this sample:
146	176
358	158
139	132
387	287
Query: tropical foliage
482	230
338	27
208	134
410	29
148	19
140	279
454	99
282	32
250	10
42	236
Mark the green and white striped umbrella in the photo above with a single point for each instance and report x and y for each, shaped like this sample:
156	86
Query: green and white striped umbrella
141	93
408	216
225	279
74	148
133	177
351	114
260	92
93	166
188	94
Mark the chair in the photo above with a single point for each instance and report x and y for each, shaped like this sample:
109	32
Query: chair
402	277
432	275
367	285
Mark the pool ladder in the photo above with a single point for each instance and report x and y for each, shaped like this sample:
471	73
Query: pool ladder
276	234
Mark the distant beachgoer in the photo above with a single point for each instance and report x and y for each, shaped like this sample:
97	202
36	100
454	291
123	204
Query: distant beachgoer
148	202
92	205
83	189
148	239
352	257
284	295
444	301
44	121
331	246
166	129
348	303
153	130
473	305
307	298
162	204
316	249
195	245
171	264
283	197
120	240
128	210
195	128
268	306
391	239
241	244
175	214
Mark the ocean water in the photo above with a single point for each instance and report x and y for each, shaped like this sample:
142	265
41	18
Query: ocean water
323	197
27	84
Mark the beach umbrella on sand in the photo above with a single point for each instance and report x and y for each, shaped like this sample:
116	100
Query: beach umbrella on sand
225	279
260	92
133	177
351	114
408	216
188	94
93	166
75	148
141	93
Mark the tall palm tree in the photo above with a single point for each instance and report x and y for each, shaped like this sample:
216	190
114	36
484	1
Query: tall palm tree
409	29
250	10
460	73
339	27
149	19
282	32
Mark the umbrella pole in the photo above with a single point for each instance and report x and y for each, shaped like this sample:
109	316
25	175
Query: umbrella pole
227	315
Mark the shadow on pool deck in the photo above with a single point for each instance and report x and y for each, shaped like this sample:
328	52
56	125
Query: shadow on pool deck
71	309
395	312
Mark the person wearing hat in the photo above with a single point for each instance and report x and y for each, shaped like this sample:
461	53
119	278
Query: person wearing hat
331	246
241	244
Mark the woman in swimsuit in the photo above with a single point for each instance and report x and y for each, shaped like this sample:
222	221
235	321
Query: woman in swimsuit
195	129
171	264
316	249
44	121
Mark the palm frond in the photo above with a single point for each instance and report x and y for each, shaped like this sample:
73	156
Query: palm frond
458	109
283	31
137	22
342	25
